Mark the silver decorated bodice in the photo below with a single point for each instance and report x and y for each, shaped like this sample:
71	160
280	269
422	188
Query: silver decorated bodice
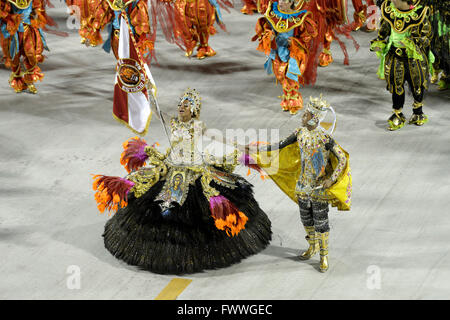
185	139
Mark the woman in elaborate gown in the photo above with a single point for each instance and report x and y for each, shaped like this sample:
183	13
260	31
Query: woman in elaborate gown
185	213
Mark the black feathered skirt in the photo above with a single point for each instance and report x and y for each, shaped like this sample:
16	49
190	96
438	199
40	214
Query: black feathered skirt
186	240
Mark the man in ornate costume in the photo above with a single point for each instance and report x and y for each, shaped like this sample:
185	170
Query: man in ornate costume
21	24
403	45
314	171
107	13
196	23
284	35
187	211
292	34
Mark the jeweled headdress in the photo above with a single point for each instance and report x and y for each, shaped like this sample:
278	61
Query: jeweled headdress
194	99
318	107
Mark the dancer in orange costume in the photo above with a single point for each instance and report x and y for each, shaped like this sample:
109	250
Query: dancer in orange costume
97	15
21	23
292	34
196	23
107	14
284	34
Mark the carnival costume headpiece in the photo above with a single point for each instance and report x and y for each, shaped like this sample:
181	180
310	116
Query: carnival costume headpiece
318	107
194	99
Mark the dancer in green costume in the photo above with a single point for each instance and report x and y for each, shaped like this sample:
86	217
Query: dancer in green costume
403	45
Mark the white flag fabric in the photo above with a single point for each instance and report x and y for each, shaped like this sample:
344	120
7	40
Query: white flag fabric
131	96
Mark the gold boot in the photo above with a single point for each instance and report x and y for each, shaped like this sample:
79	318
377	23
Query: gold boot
313	244
418	119
323	243
396	120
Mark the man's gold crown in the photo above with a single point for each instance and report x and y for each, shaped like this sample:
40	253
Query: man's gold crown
318	105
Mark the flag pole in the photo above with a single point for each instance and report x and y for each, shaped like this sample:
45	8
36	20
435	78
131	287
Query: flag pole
158	110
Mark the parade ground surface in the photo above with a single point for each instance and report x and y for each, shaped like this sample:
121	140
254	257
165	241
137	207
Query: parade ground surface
393	244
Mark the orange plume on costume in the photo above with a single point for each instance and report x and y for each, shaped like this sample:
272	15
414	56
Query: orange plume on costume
111	192
231	225
133	156
226	216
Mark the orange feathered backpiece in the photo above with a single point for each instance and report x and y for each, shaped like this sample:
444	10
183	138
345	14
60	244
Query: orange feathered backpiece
329	19
43	20
134	156
163	12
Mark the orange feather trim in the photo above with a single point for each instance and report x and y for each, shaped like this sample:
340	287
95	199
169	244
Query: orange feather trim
133	156
232	224
111	192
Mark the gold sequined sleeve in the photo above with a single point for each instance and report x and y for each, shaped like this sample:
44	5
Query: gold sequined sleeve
336	150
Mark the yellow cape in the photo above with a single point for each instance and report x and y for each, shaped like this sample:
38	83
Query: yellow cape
283	167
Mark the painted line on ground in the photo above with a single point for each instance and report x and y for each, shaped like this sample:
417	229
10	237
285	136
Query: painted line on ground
175	287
